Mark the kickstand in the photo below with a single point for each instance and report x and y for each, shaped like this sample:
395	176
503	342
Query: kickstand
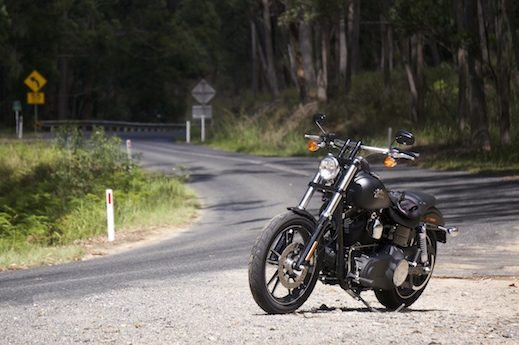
358	298
402	306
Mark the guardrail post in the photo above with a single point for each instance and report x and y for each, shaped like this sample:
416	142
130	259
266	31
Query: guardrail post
203	128
188	132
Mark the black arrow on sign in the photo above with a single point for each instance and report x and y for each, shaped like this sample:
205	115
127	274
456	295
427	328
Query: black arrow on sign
36	81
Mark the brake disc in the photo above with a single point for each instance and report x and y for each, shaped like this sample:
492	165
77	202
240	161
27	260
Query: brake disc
289	277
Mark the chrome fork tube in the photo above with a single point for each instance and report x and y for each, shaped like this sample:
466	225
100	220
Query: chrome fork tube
326	216
309	193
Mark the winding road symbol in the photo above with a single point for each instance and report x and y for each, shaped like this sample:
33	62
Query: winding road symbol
35	81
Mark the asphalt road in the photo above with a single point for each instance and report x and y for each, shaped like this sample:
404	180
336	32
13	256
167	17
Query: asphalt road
239	193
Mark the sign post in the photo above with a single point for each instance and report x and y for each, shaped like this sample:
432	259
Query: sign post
35	81
21	127
17	107
203	93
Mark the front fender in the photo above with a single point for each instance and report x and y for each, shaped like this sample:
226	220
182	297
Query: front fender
303	213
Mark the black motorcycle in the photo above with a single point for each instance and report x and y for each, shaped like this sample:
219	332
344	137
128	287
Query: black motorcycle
364	238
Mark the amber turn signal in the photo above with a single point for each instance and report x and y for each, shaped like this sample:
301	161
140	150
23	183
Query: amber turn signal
312	146
389	162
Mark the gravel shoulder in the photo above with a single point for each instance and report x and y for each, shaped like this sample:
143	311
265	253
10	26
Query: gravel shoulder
218	309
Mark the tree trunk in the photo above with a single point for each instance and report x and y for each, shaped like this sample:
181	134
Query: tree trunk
420	82
462	68
325	46
384	37
269	51
480	138
433	45
410	79
300	71
321	65
509	6
503	73
349	46
343	49
305	39
357	59
254	59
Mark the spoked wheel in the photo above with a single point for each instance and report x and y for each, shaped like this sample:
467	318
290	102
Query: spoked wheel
415	283
275	285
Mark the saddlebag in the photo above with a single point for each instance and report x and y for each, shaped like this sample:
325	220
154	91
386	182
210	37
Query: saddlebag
407	208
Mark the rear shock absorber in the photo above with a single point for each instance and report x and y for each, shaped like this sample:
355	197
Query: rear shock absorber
423	245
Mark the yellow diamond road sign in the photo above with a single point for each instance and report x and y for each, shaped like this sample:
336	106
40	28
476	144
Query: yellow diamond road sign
35	81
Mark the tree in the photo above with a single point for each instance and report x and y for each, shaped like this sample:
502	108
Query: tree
462	66
480	138
503	71
291	18
269	50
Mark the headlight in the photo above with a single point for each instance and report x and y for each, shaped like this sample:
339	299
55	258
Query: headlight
329	168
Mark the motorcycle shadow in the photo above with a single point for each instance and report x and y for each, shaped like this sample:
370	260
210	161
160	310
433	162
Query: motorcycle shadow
323	309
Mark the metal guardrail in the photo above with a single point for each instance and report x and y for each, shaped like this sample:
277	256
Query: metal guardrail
115	126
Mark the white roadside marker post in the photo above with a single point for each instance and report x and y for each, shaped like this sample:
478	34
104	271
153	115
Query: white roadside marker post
110	214
129	152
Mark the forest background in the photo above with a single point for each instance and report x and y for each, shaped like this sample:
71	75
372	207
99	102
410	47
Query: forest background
445	69
417	62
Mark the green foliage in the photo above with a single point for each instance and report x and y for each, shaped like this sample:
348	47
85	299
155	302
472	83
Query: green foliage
366	113
126	60
274	129
54	193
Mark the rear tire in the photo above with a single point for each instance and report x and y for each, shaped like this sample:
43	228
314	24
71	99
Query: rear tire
415	284
275	286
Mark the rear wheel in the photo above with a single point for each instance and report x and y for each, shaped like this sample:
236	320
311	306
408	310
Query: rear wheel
416	281
275	285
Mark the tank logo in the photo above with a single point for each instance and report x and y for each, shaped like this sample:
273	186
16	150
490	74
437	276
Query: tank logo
379	193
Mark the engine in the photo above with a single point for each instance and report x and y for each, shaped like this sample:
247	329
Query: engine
384	269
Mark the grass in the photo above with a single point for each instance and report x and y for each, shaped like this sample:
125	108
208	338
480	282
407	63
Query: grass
52	195
366	113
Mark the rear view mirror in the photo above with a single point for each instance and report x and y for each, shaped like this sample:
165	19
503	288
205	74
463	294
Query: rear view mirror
319	120
404	138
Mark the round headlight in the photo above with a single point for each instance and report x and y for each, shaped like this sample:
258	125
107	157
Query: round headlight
329	168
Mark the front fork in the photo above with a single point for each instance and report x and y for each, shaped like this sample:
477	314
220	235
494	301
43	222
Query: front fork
326	215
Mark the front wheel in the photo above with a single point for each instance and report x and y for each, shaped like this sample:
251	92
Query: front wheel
275	285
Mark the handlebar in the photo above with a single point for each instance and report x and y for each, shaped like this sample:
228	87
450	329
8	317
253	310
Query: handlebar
324	140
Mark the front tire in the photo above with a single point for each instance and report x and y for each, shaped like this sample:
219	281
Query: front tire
276	287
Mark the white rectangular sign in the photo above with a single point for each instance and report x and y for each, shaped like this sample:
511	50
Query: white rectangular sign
199	111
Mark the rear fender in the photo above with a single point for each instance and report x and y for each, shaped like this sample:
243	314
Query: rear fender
433	216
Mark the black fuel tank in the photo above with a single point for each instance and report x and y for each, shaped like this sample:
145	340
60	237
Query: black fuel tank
367	192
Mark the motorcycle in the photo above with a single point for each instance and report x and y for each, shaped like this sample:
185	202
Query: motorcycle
364	237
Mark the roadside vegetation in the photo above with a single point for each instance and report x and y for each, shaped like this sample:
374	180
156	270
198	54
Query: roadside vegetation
52	195
366	113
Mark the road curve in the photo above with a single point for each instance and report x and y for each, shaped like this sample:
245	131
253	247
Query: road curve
239	193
